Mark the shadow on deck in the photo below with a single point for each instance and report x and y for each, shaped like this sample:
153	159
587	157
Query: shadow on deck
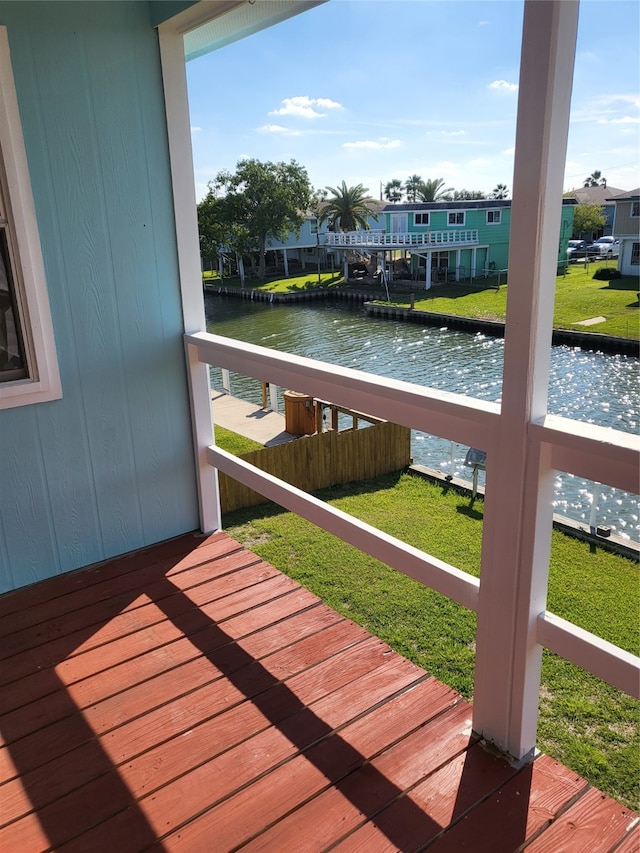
190	697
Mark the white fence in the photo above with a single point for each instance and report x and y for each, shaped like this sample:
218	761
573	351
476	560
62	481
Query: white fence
387	239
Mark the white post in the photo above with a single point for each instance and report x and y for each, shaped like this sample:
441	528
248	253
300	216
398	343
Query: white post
226	381
174	77
273	397
519	480
594	508
285	259
427	276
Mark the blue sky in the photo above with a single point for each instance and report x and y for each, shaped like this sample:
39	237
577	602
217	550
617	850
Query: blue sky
369	90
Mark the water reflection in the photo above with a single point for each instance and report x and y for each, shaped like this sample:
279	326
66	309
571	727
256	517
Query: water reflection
594	387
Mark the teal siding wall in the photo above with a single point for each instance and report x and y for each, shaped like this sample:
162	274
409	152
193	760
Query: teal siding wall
108	468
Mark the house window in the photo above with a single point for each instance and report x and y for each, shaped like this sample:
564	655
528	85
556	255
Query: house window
313	224
455	217
420	218
494	217
635	208
635	254
28	364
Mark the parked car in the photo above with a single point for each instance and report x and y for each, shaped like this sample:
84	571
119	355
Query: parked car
576	249
604	247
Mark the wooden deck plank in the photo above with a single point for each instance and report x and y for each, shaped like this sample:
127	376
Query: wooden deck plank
190	697
595	823
196	582
528	803
72	590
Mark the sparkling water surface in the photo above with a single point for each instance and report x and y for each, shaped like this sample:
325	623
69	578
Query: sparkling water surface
594	387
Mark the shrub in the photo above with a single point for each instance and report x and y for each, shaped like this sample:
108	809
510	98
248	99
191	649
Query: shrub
605	274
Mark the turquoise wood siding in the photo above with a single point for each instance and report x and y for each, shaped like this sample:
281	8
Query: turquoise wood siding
109	467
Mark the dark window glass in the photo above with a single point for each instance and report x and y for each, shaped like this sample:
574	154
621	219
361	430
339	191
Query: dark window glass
12	360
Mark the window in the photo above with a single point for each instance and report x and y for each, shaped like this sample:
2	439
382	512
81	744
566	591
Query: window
420	218
635	254
635	208
456	217
28	364
494	217
313	225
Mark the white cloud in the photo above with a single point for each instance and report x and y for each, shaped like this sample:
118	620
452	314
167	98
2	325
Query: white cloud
303	106
373	143
195	129
479	162
503	86
510	151
278	128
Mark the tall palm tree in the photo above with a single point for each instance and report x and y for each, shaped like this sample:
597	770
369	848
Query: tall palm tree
412	187
393	191
595	179
433	189
500	191
349	209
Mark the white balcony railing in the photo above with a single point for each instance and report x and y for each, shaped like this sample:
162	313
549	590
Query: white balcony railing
567	445
524	444
380	239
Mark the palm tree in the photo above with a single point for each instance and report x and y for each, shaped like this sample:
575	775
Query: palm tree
412	187
433	189
500	191
349	209
393	191
595	179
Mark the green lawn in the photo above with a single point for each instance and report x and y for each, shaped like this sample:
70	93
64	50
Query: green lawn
578	297
589	726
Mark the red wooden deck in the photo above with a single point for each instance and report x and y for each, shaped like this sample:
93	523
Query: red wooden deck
190	697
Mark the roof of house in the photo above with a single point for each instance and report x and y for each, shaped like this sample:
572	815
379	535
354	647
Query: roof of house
601	194
629	195
475	204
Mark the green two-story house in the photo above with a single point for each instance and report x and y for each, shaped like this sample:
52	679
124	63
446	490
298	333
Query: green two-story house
445	240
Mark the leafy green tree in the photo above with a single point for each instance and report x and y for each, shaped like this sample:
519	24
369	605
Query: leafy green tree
412	187
433	189
257	202
500	191
595	179
588	218
348	208
393	191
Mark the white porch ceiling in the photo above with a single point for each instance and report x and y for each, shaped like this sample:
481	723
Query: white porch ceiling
212	24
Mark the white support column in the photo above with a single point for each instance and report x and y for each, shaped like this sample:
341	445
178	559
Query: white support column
286	263
519	479
474	260
188	244
427	275
458	255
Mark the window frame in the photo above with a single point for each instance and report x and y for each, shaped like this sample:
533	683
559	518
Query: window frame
635	209
422	215
456	213
42	383
493	220
635	254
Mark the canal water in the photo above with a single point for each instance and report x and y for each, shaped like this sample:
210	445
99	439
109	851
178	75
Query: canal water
588	386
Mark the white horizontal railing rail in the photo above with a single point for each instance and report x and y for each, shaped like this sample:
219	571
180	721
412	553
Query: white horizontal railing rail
575	448
381	239
434	573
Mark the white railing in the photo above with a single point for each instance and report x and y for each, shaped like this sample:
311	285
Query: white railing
524	445
380	239
577	448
